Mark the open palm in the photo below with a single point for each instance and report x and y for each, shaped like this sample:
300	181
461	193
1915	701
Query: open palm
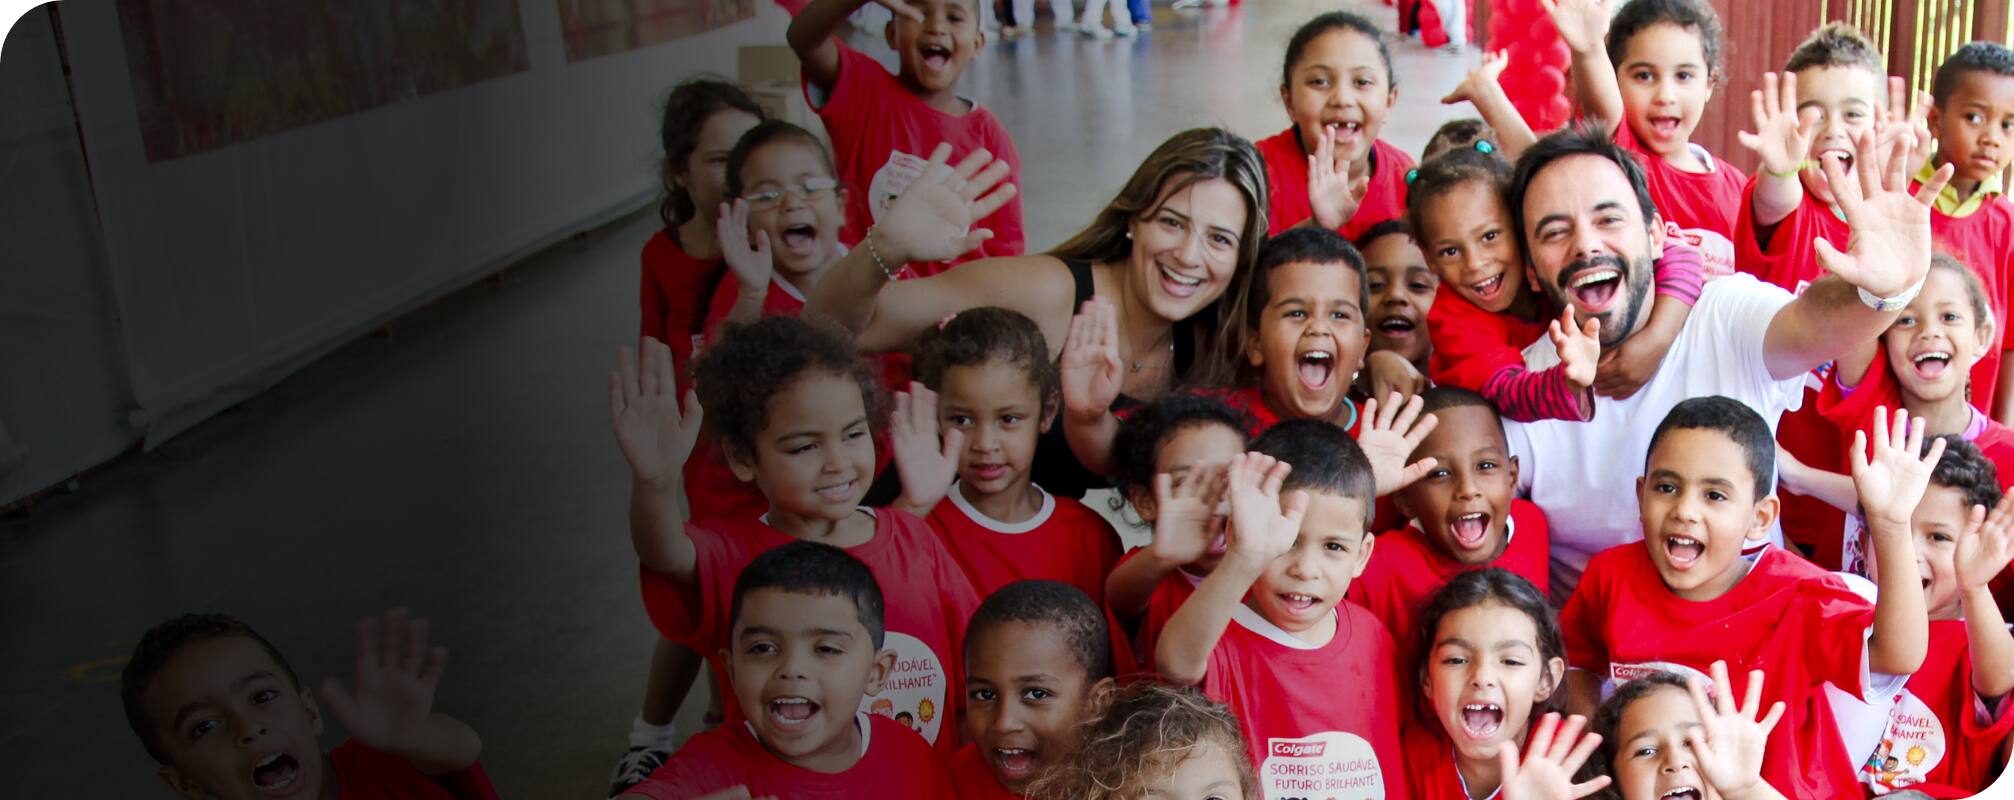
1889	247
1891	479
643	408
1091	367
932	219
393	692
1583	24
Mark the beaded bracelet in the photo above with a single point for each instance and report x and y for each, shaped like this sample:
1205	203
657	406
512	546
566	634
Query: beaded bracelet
876	254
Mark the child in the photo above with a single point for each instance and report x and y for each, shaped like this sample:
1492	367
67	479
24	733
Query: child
996	386
1661	738
1972	120
1157	741
1464	516
1649	86
1330	166
805	650
1311	677
884	126
1401	289
1952	713
1501	130
226	717
1687	596
1491	657
1038	664
1460	134
792	410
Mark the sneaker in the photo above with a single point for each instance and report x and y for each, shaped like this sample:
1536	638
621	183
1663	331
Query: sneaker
1127	30
1098	32
1066	26
636	765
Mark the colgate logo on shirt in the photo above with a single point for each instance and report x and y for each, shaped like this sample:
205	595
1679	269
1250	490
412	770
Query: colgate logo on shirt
1298	749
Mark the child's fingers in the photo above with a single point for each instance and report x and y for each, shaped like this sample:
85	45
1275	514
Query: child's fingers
993	175
939	167
1859	463
615	401
339	701
1696	690
1588	788
954	441
1580	753
1935	186
415	646
693	412
1867	152
394	628
1702	750
1276	475
646	383
1880	428
1723	689
1768	722
625	365
1294	508
367	645
1568	736
667	375
1751	702
1541	740
436	663
1416	471
985	206
971	164
1936	453
1164	488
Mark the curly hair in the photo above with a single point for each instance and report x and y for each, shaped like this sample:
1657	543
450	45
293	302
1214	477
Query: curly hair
1457	134
162	643
738	376
685	113
989	335
1136	449
1693	16
1965	469
1608	719
1146	732
1447	172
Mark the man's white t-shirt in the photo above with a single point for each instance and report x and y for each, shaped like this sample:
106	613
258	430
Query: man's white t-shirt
1583	474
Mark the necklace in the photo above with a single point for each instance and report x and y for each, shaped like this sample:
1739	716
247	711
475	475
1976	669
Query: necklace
1141	363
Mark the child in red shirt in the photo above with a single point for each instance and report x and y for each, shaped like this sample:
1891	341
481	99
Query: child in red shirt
1156	740
1661	737
790	408
1687	596
997	390
884	126
1038	664
1311	677
1973	105
806	637
1400	290
1648	86
226	717
1330	166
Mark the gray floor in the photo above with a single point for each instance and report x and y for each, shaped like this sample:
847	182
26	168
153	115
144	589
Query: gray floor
462	465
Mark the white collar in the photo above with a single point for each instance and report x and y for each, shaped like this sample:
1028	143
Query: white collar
1244	615
957	498
860	722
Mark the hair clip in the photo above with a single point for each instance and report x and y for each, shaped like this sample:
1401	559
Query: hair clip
1484	146
946	321
1412	175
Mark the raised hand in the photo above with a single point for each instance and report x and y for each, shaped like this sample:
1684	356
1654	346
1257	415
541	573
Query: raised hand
1911	118
902	9
932	219
1889	248
1261	529
926	462
1185	512
1728	742
1091	367
1579	347
1781	137
643	408
1986	546
1891	480
1388	436
393	694
750	262
1332	194
1390	373
1481	81
1583	24
1553	755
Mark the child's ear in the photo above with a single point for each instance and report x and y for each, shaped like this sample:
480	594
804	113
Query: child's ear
877	674
740	461
1513	476
1142	499
888	33
1765	514
314	711
842	194
1392	98
1934	119
1287	96
1985	335
1051	406
1656	236
1101	696
1549	680
182	785
1370	544
1253	355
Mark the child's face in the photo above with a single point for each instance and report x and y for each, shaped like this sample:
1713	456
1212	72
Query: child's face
1472	247
800	664
1935	342
1975	126
1697	497
1845	101
1209	773
815	456
704	173
1936	524
1000	410
1402	289
234	726
1665	86
1652	760
1311	338
1340	89
1484	674
934	52
1298	590
1188	448
1025	695
803	224
1463	505
1185	252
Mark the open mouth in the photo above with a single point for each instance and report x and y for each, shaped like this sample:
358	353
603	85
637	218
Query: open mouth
1683	552
1470	529
1487	290
1397	327
1298	604
1682	793
838	492
1179	285
1595	288
1931	365
276	773
936	57
1664	126
1482	720
800	238
987	472
791	713
1315	368
1841	155
1013	761
1343	132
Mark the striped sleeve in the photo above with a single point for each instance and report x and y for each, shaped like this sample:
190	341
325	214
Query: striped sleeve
1681	274
1527	396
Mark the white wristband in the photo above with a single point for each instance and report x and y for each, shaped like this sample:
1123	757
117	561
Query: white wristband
1891	303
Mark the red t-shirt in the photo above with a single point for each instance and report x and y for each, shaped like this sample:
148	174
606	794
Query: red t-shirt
1786	256
674	286
1320	721
1941	735
1984	240
1430	766
1168	597
366	773
927	600
711	490
1287	185
1800	625
1699	208
1065	541
882	137
893	763
974	780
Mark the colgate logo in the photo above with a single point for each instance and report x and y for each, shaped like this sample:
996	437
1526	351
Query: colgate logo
1299	749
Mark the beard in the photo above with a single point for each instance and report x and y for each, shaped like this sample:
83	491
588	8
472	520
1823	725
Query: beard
1621	319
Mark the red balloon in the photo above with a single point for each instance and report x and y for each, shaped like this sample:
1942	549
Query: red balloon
1549	80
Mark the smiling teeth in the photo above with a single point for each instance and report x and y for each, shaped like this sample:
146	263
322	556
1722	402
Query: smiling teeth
1932	356
1178	278
1316	355
268	761
1596	276
1487	285
1680	540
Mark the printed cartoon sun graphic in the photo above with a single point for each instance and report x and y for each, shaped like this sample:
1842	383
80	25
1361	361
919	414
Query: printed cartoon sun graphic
1916	756
926	710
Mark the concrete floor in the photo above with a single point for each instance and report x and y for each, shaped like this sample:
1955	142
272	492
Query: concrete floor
463	465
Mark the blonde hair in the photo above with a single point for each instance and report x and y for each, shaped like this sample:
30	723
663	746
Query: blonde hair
1147	731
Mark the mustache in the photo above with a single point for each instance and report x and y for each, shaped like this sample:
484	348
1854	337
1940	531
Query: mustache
1574	270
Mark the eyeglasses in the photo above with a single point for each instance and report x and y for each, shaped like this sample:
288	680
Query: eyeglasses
810	189
1481	146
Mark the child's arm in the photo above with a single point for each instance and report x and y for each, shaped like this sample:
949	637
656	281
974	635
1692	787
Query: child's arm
1891	482
2003	399
1091	371
656	440
1984	548
1551	762
1781	139
391	707
1583	24
1558	392
1680	278
1387	373
1728	742
927	464
1830	488
1260	531
811	35
748	261
1183	515
1389	435
1482	90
